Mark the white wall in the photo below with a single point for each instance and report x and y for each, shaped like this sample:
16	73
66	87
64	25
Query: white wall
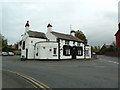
62	43
81	57
24	38
88	48
29	45
50	36
44	50
45	53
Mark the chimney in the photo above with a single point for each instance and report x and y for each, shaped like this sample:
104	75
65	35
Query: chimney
27	26
72	32
49	27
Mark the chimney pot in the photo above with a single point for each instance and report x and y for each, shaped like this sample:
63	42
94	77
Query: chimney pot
49	27
72	32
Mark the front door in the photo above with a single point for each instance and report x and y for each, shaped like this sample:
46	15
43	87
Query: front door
74	52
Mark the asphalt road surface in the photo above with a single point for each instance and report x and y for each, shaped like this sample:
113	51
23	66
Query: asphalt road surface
99	73
11	80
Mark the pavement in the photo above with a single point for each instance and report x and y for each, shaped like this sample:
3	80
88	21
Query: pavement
99	73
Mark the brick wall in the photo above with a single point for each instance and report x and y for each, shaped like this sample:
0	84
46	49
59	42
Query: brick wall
115	53
118	40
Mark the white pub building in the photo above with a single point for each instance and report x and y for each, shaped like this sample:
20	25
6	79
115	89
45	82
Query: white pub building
52	45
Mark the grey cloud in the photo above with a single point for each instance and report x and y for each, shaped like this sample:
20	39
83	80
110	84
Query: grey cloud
111	16
61	15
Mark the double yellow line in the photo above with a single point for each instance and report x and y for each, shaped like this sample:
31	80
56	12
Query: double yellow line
36	83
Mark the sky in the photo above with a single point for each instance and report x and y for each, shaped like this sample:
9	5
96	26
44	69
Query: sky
97	19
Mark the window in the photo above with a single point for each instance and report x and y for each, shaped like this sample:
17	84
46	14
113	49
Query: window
23	45
87	52
54	50
37	52
78	44
66	50
73	42
80	51
67	42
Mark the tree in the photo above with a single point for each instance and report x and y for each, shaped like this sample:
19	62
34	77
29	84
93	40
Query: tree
4	45
95	49
79	34
103	49
113	44
107	48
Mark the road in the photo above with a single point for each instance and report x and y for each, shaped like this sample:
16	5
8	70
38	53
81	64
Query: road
99	73
11	80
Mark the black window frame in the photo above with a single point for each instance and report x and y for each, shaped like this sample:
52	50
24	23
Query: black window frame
81	50
78	43
37	52
54	51
73	42
66	49
66	42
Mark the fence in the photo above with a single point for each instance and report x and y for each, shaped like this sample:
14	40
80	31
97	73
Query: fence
114	53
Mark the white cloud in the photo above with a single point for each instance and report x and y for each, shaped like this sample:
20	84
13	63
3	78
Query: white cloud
96	18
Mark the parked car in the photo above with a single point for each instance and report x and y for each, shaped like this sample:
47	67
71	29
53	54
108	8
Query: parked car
4	54
93	53
10	53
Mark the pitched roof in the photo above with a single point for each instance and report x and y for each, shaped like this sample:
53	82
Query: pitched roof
36	34
66	36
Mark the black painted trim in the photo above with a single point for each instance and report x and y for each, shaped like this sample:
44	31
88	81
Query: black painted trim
72	40
81	51
84	52
58	40
23	59
45	42
55	59
64	50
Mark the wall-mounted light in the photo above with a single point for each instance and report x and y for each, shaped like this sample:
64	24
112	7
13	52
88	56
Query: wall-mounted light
50	49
